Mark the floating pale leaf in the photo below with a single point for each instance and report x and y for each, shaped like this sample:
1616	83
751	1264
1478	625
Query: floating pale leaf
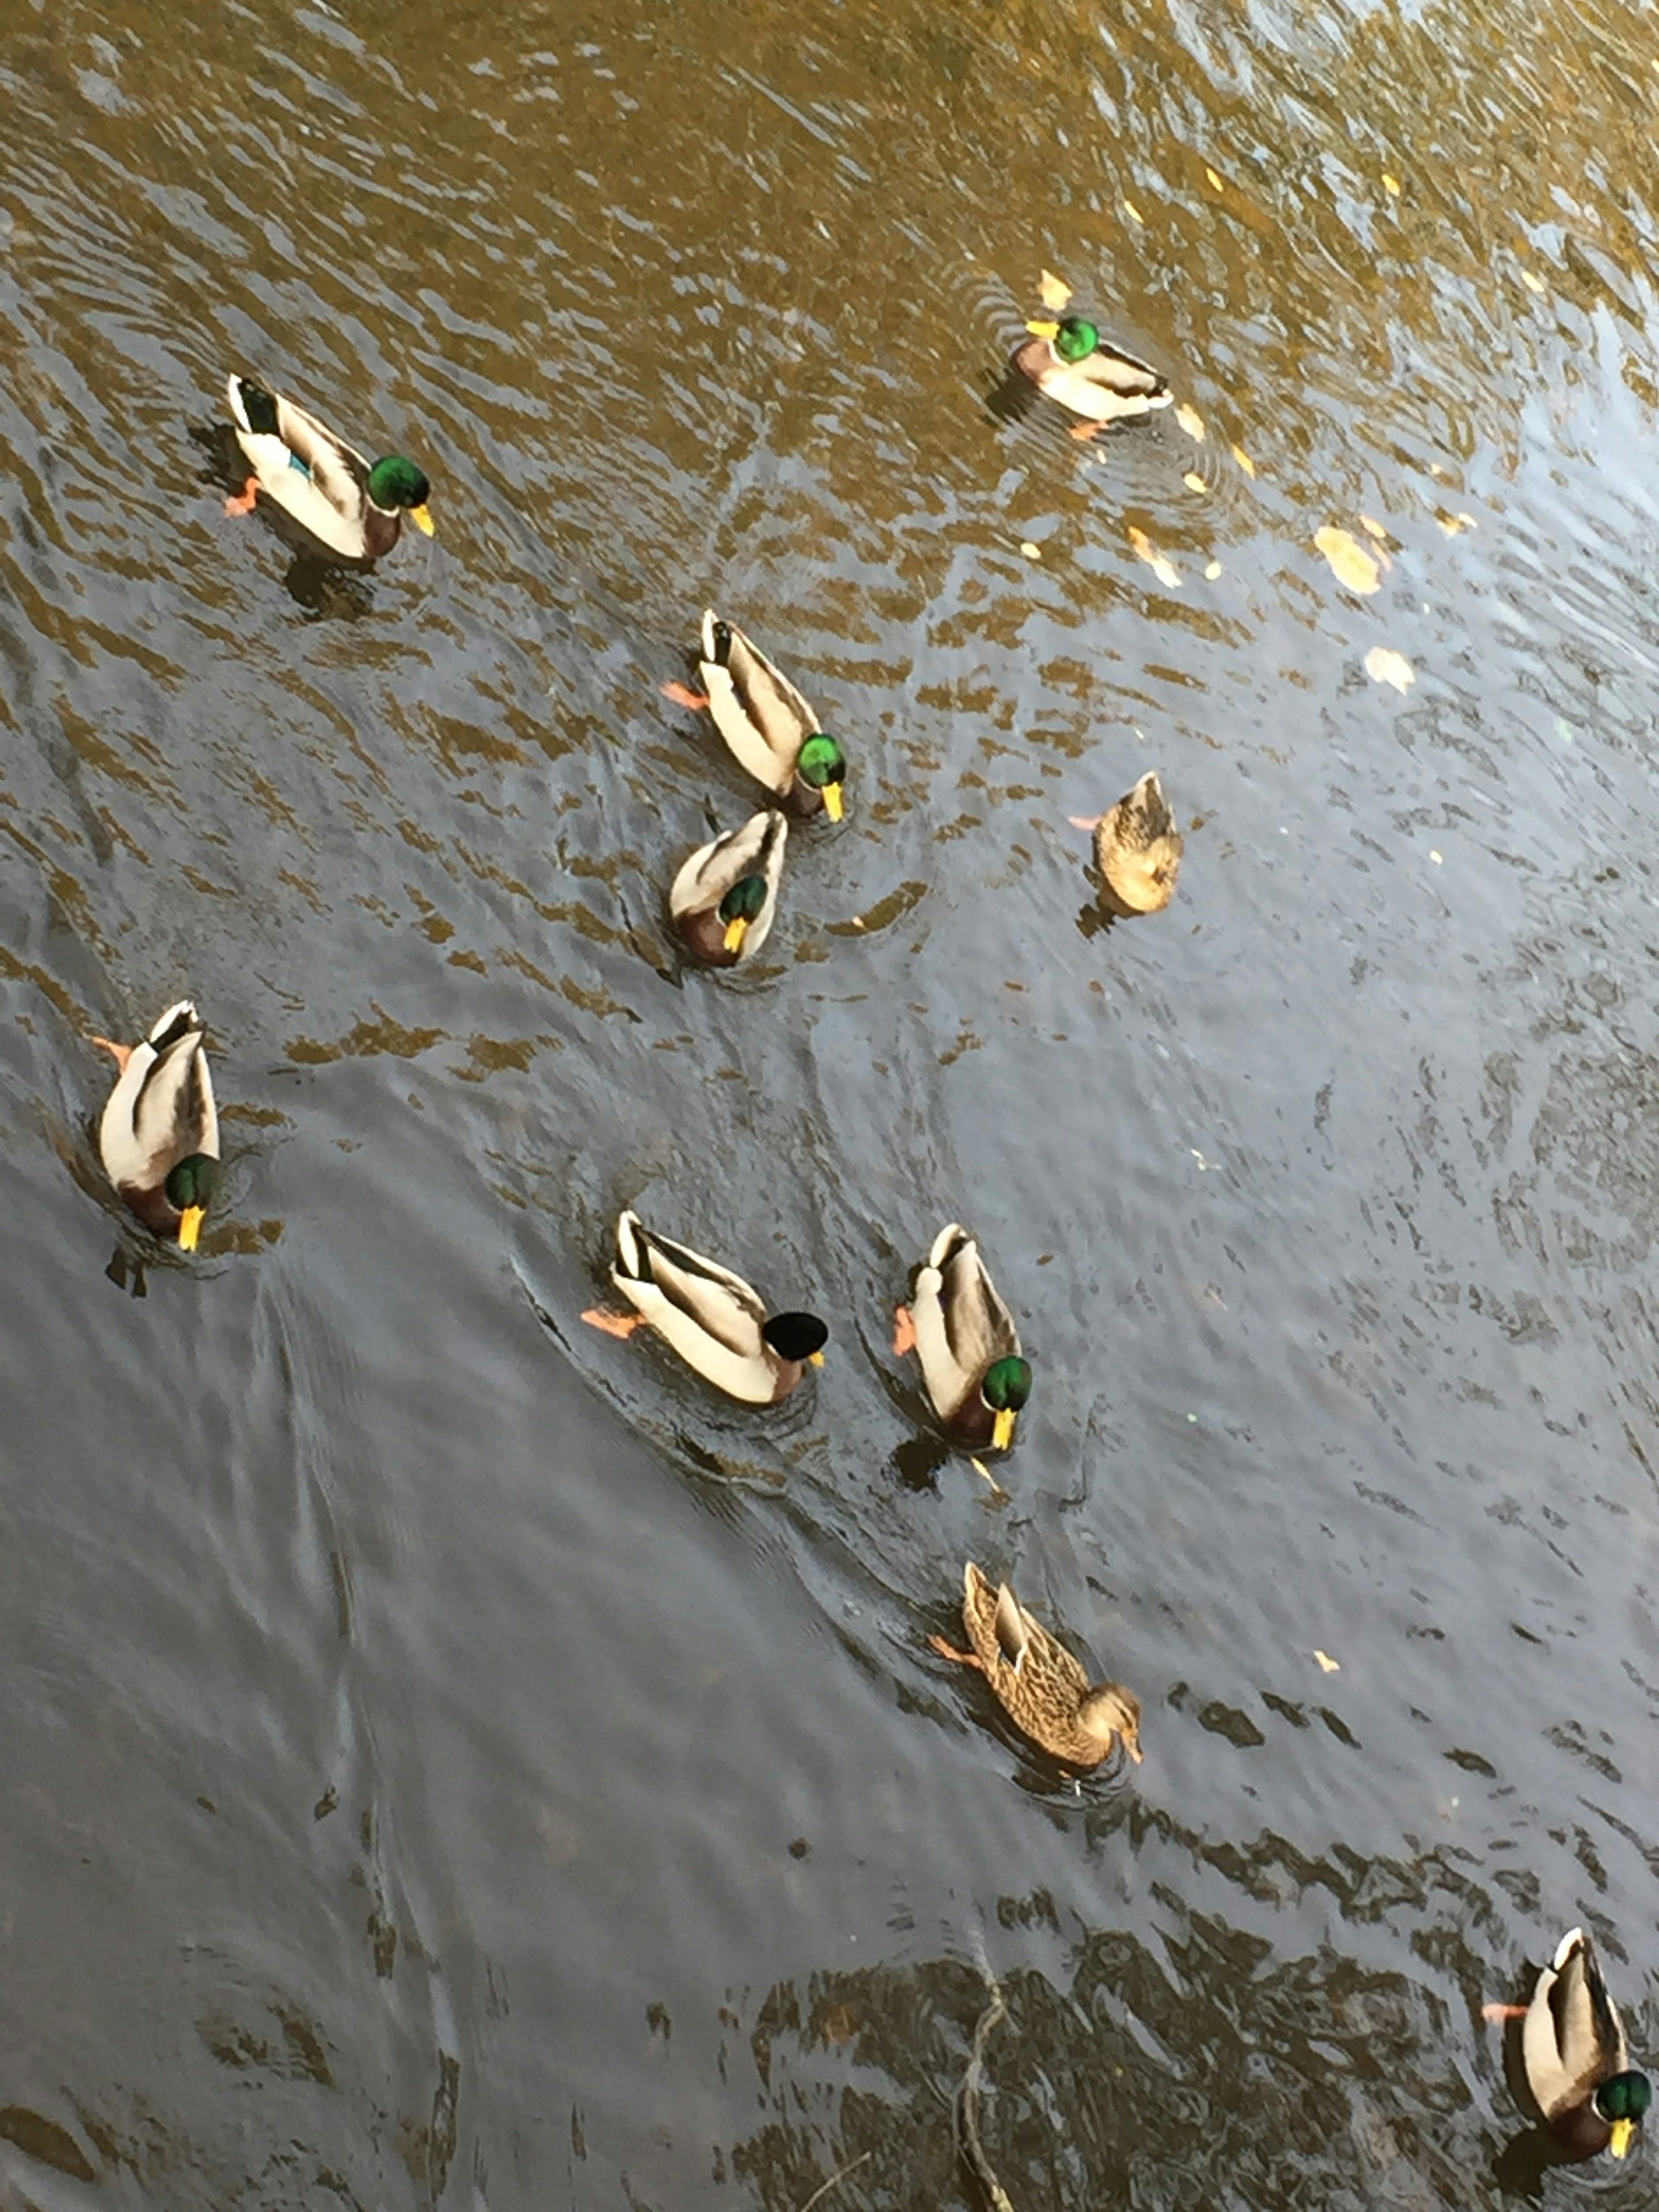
1327	1665
1216	184
1134	212
1437	859
1350	563
1160	566
1192	422
1533	283
1193	481
1055	290
1452	523
1212	571
1373	529
1384	665
1391	186
1031	550
1244	460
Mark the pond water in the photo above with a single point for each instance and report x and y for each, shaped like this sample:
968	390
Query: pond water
451	1757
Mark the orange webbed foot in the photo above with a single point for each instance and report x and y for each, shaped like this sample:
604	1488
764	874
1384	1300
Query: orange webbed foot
1503	2012
683	696
120	1054
1084	431
621	1325
905	1332
242	502
949	1651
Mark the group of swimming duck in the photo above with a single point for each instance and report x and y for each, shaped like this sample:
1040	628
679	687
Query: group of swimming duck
158	1137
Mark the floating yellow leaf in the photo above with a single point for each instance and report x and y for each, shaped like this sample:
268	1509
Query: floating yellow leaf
1216	184
1213	570
1327	1665
1244	460
1193	481
1384	665
1350	563
1391	186
1031	550
1452	523
1533	283
1055	290
1160	566
1373	529
1435	858
1192	422
1134	212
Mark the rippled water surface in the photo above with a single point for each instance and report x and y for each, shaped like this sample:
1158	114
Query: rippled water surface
451	1758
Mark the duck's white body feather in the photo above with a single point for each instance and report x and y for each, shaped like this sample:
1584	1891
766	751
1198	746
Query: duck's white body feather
757	710
962	1325
314	475
694	899
709	1315
160	1111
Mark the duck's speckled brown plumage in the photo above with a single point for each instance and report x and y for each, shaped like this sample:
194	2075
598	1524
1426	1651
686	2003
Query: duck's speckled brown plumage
1042	1687
1138	849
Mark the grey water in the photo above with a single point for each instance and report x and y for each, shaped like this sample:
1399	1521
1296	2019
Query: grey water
450	1757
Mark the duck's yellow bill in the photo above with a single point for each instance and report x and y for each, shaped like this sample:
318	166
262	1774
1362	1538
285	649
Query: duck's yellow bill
190	1227
1043	330
815	1359
1002	1427
421	519
1620	2141
736	930
833	805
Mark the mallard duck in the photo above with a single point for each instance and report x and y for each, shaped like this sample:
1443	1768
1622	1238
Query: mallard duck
1067	361
766	722
1575	2056
158	1136
1137	849
967	1341
724	900
1041	1686
355	506
714	1319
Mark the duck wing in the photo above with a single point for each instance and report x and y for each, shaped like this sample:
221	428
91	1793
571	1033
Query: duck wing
307	469
757	710
162	1107
693	898
1572	2038
709	1315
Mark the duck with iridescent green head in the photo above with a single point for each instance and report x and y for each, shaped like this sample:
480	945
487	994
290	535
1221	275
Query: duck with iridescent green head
158	1135
1071	363
965	1337
724	900
771	729
353	506
1575	2054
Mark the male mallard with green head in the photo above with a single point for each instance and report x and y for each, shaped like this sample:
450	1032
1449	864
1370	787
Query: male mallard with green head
353	506
965	1336
158	1136
1575	2055
1037	1680
717	1322
769	726
724	900
1069	360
